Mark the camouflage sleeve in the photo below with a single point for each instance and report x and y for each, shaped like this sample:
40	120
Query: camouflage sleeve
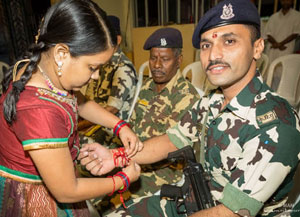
122	86
185	132
90	90
181	108
267	158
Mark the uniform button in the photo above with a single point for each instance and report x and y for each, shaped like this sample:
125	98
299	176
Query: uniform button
214	122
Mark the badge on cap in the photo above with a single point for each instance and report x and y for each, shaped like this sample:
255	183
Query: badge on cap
227	12
163	42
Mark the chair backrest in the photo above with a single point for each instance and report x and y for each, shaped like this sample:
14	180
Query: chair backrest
2	66
198	78
289	84
138	87
145	68
263	64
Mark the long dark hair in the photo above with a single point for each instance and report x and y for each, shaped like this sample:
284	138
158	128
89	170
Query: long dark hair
80	24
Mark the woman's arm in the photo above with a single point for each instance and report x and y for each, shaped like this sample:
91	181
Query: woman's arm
57	171
91	111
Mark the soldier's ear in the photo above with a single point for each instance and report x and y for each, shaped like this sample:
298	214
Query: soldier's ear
179	60
258	47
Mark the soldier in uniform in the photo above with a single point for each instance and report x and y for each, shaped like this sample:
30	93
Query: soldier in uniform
163	100
114	89
249	135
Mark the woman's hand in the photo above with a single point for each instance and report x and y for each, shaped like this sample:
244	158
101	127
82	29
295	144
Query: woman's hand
130	141
96	158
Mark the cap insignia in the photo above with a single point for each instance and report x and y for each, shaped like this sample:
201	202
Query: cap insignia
163	42
227	12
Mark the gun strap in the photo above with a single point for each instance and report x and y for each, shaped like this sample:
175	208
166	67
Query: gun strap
202	142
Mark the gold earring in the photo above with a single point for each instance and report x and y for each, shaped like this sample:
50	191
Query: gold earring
59	72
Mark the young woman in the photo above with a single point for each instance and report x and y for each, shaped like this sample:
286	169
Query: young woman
39	112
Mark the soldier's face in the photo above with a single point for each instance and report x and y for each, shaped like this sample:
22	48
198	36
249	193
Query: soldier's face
163	64
227	55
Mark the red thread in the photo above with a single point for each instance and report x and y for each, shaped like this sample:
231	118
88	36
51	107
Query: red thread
122	200
113	187
120	153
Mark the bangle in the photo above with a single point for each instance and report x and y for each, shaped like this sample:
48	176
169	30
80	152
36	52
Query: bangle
113	186
125	179
126	183
119	126
120	153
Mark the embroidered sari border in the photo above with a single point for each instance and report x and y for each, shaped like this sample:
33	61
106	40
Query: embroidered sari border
19	176
45	143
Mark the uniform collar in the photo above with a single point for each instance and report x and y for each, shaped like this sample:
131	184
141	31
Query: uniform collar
240	104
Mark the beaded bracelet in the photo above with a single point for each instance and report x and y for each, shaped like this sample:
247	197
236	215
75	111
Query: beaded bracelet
119	126
120	153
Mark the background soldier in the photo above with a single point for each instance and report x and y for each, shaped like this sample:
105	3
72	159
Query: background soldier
163	100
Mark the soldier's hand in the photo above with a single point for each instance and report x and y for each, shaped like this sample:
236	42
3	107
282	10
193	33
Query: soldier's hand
96	158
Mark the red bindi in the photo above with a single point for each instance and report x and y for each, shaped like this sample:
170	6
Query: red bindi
214	35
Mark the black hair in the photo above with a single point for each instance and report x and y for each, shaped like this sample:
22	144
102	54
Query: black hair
254	33
177	51
80	24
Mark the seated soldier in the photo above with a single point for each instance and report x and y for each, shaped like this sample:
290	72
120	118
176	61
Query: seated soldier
163	100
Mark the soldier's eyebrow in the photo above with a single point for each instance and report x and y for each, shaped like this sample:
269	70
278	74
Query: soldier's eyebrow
230	34
204	40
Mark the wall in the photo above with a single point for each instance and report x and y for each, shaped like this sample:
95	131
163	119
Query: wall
120	8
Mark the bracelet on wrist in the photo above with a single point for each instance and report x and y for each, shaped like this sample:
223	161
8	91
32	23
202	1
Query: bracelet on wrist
126	184
119	126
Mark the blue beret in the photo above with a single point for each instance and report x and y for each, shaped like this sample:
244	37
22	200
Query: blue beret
225	13
165	37
115	22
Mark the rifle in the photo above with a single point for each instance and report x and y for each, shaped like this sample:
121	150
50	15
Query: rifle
194	194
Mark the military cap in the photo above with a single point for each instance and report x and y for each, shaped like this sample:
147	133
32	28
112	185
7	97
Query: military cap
115	22
225	13
164	37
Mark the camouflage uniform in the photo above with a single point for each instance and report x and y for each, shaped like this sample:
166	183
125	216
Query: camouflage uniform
154	113
115	87
251	152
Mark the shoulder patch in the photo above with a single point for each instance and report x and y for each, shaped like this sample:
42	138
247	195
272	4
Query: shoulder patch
184	91
266	118
143	102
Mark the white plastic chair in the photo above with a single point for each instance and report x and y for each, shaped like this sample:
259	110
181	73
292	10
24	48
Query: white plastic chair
199	78
138	87
289	83
263	64
145	68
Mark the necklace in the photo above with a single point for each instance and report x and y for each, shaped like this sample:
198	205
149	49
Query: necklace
51	85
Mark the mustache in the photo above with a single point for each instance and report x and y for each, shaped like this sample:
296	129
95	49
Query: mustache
157	71
216	62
